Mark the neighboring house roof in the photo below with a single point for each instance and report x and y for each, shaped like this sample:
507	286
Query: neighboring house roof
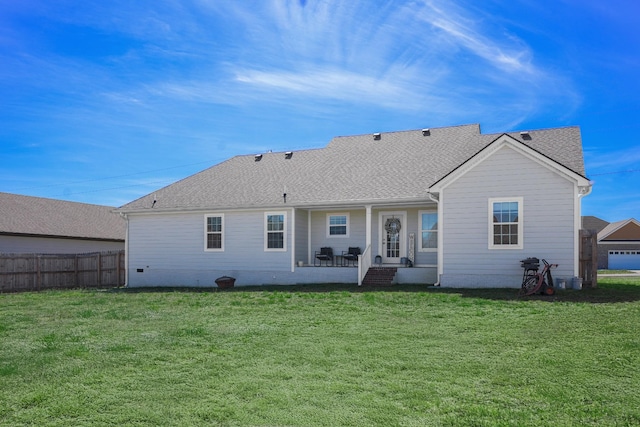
593	223
621	231
387	167
36	216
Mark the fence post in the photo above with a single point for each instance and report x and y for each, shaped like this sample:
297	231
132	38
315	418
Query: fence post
75	272
38	276
99	269
594	260
118	259
588	258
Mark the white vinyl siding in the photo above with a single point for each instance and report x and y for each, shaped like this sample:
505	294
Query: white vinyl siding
214	232
320	238
302	235
547	210
177	251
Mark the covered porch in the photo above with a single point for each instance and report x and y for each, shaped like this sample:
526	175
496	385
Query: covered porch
400	237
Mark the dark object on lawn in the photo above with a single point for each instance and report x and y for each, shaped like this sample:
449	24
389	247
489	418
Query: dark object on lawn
225	282
538	282
530	266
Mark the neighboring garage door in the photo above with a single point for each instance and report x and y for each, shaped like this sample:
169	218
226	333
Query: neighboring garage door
624	260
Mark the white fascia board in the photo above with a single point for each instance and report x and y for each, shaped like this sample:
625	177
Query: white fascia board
508	141
175	211
341	204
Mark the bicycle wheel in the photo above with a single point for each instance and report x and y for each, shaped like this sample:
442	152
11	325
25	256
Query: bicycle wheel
530	285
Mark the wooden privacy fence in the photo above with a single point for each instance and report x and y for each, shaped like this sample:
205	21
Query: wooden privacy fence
589	258
35	272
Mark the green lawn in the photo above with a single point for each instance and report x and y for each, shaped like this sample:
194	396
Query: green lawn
322	356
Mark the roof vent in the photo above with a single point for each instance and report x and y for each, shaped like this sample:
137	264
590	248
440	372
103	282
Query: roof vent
426	132
525	135
376	136
258	157
288	154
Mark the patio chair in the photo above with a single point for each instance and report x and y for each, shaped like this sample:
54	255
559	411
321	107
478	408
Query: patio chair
350	256
326	255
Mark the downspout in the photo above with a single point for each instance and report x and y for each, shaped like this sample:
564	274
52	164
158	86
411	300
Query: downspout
436	200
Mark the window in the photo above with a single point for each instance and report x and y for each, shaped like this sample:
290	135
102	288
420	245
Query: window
213	239
337	225
505	223
275	230
429	231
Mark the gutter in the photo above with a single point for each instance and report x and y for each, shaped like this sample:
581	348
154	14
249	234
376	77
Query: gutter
329	204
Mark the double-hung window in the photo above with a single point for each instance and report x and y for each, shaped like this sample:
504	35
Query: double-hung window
505	223
214	232
275	230
338	225
429	231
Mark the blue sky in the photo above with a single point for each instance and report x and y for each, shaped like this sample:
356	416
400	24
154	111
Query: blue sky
105	101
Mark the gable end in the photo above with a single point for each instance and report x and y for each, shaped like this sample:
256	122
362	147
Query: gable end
506	140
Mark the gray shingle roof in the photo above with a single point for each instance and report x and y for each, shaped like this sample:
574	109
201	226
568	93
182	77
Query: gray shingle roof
397	166
615	226
38	216
593	223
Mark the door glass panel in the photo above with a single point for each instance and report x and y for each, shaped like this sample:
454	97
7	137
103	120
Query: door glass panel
392	227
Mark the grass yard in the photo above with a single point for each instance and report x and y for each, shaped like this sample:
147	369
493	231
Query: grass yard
322	356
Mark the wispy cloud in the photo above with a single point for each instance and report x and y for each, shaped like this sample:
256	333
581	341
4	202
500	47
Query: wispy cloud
612	161
400	57
508	53
336	84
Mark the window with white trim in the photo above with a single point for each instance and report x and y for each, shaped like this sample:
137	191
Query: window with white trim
428	231
505	223
275	230
214	232
338	225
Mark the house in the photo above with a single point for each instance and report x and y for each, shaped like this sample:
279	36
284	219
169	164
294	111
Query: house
462	208
618	243
39	225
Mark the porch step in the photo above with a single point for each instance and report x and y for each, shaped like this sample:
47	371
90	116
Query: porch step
379	276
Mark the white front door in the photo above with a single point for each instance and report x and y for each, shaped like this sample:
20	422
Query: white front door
393	233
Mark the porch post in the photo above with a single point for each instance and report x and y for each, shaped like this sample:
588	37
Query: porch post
309	237
293	239
368	226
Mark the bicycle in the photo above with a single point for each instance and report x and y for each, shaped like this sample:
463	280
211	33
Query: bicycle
539	282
